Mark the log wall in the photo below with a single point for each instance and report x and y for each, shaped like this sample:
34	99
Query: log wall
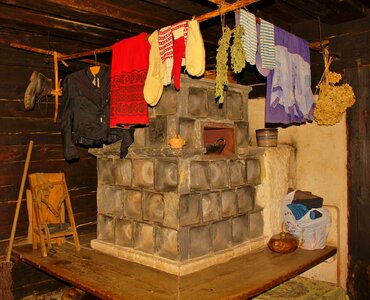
18	127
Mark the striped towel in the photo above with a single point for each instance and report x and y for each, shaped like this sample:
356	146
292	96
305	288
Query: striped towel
166	51
248	23
267	45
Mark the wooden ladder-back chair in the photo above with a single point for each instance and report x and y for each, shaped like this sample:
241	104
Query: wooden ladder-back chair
50	199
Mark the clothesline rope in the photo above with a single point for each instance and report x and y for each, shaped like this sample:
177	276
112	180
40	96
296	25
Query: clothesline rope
317	46
223	9
226	7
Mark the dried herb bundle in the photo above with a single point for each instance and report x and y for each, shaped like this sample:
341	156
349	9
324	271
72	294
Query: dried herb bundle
237	51
221	64
333	100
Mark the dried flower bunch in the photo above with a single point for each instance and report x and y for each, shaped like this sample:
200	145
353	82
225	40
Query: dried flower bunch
333	100
221	63
237	58
237	51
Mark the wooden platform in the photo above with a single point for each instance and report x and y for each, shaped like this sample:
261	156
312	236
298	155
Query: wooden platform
111	278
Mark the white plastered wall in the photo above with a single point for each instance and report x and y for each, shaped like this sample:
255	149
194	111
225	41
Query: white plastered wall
321	168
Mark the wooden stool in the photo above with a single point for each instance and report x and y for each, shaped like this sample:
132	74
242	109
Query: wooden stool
50	197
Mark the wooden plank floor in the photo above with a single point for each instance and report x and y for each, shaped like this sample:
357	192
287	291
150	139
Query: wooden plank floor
108	277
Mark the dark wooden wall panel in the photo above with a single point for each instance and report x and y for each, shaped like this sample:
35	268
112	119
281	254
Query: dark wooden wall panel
18	127
359	187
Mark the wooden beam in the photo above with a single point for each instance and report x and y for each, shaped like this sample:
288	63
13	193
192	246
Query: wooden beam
218	2
224	9
130	14
191	8
28	20
316	46
48	52
122	21
201	18
330	11
85	53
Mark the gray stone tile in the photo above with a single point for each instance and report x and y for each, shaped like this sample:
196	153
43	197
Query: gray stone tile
144	237
229	203
234	105
211	206
189	209
246	198
171	210
241	133
143	173
124	233
153	207
221	235
167	105
200	241
253	171
215	110
240	229
133	204
123	172
157	132
105	228
187	131
105	169
256	224
197	102
199	175
219	174
139	137
167	243
184	243
238	173
166	175
110	200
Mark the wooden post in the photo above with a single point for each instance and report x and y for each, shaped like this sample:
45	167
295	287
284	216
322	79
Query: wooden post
20	194
57	91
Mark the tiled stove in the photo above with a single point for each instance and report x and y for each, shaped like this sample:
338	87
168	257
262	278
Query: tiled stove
181	210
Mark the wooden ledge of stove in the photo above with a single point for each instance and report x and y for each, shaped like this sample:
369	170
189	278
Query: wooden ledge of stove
108	277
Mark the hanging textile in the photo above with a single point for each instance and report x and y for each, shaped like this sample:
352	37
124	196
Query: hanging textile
153	86
248	23
166	50
289	98
263	71
130	62
195	56
85	113
267	45
179	31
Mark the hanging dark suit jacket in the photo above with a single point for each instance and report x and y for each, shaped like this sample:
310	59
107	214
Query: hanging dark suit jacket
85	113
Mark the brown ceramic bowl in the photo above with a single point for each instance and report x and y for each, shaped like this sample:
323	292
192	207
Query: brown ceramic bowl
283	243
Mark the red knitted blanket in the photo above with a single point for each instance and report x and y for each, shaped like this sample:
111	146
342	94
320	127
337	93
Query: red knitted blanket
130	62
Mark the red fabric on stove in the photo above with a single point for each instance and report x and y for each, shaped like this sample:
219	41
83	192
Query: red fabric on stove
130	63
178	55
